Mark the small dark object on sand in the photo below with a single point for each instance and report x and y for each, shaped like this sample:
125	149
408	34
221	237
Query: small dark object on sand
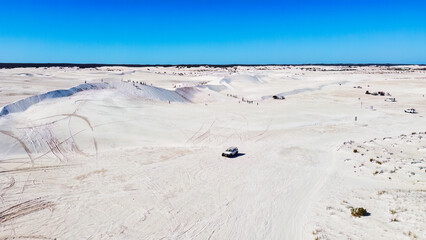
278	97
359	212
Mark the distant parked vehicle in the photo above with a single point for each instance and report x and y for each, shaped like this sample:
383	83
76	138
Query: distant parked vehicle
278	97
230	152
391	99
410	110
380	93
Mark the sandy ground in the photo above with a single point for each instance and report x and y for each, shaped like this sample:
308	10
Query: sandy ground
136	161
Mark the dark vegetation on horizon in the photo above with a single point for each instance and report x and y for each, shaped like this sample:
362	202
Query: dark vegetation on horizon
94	65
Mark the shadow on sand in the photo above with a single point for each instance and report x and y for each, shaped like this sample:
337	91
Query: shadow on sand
238	155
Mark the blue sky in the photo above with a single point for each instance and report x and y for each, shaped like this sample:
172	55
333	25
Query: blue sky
213	32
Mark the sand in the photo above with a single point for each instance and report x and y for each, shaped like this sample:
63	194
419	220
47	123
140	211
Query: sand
140	158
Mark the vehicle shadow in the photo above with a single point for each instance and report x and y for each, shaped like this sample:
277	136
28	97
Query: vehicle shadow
238	155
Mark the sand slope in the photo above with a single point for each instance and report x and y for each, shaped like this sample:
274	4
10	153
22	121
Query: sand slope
139	161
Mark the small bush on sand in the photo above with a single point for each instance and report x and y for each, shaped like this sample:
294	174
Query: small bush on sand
355	150
412	235
359	212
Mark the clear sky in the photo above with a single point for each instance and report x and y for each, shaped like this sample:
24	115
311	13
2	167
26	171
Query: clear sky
213	32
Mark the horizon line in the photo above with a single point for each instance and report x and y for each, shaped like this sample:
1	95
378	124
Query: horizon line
91	65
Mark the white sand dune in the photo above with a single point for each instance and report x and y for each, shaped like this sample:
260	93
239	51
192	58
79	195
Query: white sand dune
117	159
147	92
24	104
241	80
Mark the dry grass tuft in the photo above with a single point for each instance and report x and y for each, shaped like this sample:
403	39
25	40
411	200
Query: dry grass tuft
359	212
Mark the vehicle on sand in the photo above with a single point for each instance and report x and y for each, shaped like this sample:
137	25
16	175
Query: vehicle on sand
410	110
390	100
230	152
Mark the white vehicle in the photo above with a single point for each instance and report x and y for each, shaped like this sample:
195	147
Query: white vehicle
230	152
410	110
391	99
